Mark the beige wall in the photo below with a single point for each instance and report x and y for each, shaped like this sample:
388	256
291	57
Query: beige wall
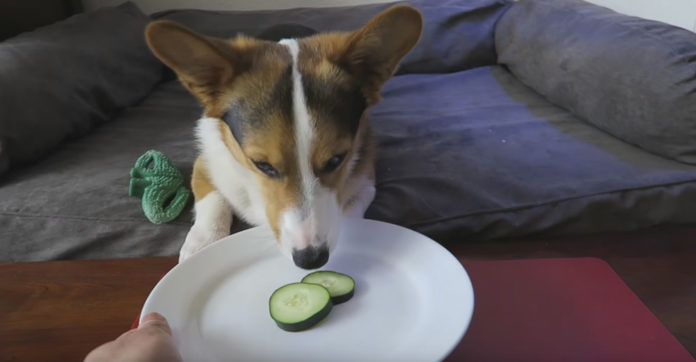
678	12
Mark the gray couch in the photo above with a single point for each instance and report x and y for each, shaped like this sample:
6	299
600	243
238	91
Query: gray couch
508	119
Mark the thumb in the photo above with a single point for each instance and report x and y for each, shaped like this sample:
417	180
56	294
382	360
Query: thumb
155	320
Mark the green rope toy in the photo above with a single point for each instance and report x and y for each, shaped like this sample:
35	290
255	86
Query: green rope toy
160	185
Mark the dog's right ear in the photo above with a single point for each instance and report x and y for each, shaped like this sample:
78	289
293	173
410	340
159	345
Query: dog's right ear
373	52
204	65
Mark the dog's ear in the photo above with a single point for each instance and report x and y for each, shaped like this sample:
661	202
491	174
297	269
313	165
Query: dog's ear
203	64
373	52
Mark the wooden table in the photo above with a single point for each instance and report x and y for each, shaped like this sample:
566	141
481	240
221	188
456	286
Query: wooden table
59	311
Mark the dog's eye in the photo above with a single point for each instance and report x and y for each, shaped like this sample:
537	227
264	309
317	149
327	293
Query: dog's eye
333	163
266	168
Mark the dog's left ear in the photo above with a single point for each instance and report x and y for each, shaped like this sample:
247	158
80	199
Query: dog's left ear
204	65
373	52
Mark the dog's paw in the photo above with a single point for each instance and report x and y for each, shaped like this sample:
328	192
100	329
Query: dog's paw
197	239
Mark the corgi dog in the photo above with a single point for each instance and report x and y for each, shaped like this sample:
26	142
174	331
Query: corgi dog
284	139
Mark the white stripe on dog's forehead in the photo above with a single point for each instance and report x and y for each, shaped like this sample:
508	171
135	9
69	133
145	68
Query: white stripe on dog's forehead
303	125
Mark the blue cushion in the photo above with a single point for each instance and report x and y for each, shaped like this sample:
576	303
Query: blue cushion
61	80
457	34
631	77
478	155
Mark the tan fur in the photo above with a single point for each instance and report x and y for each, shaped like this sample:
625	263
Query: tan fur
321	56
200	181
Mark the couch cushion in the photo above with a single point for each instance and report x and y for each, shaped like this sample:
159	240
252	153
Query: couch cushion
632	77
74	203
457	34
478	155
468	155
60	80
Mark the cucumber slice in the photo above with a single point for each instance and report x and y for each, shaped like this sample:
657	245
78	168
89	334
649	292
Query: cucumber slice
340	286
299	306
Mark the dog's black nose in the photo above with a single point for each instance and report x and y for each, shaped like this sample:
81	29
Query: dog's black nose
310	257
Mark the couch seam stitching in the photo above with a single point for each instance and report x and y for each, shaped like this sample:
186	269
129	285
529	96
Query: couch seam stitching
83	218
547	203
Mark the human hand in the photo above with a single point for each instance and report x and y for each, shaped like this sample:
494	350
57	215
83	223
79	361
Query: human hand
150	342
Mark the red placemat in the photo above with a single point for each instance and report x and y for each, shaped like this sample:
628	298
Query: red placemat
571	309
560	310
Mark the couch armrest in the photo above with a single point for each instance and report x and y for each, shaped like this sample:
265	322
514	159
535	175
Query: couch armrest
631	77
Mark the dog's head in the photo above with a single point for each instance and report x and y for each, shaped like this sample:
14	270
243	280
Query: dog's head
293	112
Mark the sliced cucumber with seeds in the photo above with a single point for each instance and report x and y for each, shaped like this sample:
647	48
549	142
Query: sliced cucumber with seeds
340	286
299	306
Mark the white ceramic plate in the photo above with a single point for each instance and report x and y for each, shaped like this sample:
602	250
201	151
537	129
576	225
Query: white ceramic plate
413	300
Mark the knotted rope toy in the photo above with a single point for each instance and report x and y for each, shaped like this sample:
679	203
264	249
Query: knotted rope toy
160	185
